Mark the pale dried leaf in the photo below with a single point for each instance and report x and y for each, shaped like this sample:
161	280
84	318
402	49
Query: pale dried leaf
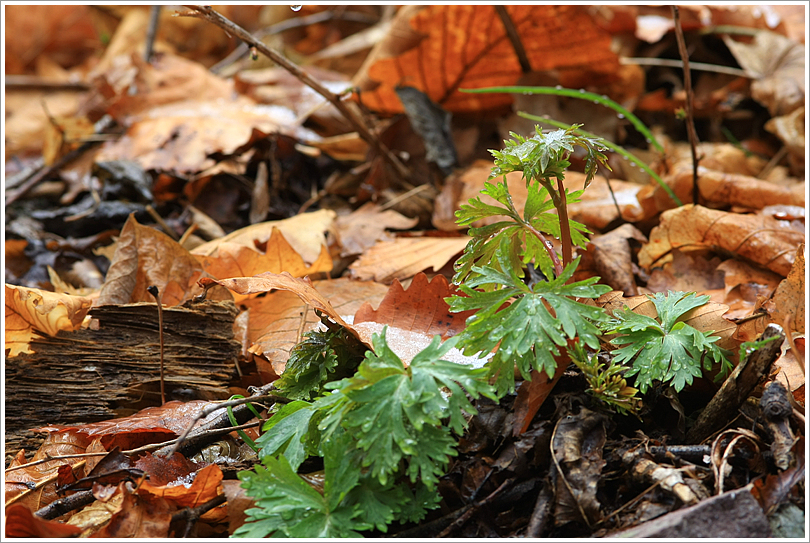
365	226
29	309
405	257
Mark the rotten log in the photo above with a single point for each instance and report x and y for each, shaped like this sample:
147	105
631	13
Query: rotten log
97	374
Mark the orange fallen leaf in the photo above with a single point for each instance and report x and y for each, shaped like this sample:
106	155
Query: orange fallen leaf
21	522
419	308
305	232
439	49
204	488
29	309
236	260
763	240
144	257
277	321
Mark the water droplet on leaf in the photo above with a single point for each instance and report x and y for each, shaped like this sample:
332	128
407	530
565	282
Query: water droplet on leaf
620	115
296	8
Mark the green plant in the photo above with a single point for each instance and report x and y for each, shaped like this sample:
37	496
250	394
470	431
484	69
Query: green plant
666	349
385	434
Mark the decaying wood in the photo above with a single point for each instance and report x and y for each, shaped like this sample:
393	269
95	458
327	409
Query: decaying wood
87	375
738	386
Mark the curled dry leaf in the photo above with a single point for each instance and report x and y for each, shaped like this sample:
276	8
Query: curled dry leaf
612	257
439	49
204	488
21	522
140	515
763	240
405	257
265	282
144	257
29	309
777	63
720	188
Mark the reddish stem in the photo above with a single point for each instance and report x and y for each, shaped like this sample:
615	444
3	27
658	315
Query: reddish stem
565	228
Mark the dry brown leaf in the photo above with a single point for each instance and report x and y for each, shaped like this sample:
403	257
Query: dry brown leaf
305	232
789	300
687	273
144	257
29	309
265	282
277	322
236	260
778	64
439	49
405	257
613	260
721	188
419	308
365	226
762	240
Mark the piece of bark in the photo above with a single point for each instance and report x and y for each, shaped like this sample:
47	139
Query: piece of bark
730	515
776	408
86	375
738	386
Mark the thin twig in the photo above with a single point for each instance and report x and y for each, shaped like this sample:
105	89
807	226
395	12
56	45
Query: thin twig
206	12
672	63
514	38
151	32
153	290
690	119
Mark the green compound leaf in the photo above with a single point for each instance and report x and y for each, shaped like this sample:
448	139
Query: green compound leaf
396	413
526	331
289	507
523	246
286	432
666	349
323	355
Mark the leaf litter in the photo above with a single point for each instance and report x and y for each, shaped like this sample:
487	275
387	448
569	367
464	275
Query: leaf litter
201	141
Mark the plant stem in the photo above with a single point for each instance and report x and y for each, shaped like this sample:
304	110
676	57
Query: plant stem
153	290
690	119
565	228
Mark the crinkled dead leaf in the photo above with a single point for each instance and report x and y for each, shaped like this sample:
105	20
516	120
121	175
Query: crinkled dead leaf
29	309
278	321
204	488
305	232
612	257
405	257
143	257
720	188
777	63
688	273
439	49
419	308
789	300
366	225
790	129
265	282
141	515
763	240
